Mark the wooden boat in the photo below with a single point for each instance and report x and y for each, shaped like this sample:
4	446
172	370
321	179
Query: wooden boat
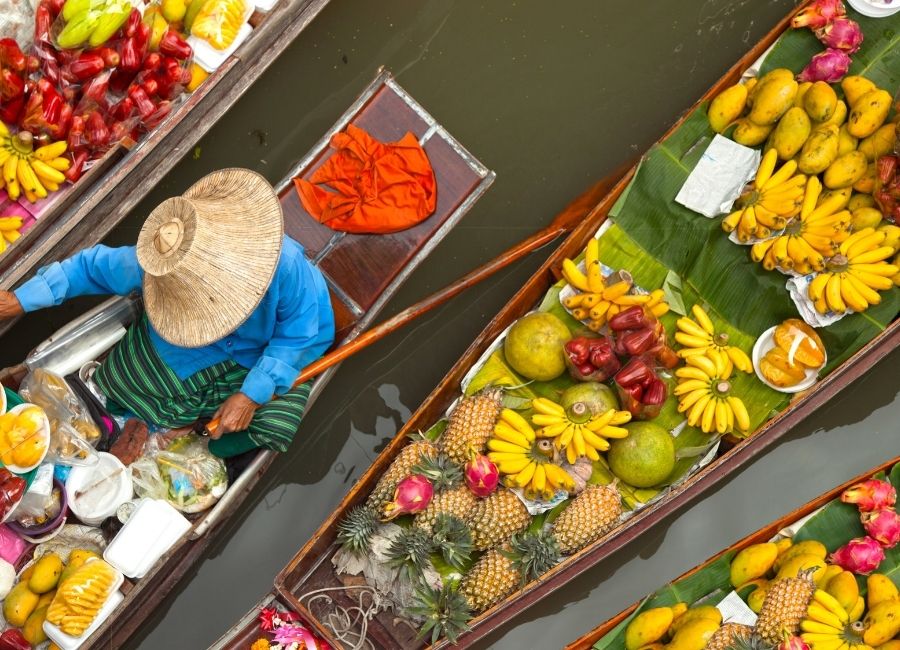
762	535
85	212
362	271
311	570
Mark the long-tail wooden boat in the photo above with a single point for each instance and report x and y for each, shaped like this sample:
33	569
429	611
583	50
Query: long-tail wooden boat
362	271
764	534
85	212
311	569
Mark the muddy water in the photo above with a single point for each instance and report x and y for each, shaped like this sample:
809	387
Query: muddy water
552	96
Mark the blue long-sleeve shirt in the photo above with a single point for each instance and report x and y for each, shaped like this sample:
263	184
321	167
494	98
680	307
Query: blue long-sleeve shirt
291	327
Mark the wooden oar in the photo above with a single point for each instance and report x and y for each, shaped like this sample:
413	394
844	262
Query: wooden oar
562	224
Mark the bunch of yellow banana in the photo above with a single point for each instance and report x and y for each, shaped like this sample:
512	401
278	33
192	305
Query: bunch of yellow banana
811	237
698	335
769	203
524	460
598	302
9	231
575	430
29	171
828	626
704	394
853	277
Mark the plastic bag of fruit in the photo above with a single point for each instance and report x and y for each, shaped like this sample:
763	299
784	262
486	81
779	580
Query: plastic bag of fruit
88	23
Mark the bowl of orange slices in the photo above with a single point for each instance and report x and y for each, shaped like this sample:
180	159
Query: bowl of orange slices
789	356
24	438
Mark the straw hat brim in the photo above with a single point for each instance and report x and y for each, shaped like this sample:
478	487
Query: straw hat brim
209	256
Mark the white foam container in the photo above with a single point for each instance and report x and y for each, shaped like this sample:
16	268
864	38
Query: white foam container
115	491
152	529
67	642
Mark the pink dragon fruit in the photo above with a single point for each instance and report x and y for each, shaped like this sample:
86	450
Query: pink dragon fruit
883	526
841	34
818	14
873	494
792	643
830	65
413	494
861	555
482	476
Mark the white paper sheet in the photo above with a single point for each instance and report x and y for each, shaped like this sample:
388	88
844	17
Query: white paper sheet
720	175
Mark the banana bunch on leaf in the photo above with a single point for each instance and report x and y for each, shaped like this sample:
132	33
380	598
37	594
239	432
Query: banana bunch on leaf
575	430
698	335
704	394
29	171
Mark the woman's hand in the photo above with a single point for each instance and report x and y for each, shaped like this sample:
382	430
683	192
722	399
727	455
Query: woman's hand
235	414
9	305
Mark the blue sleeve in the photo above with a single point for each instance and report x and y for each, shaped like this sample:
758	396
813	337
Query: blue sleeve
100	270
299	337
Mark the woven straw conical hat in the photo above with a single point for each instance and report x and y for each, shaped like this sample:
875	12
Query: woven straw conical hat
209	256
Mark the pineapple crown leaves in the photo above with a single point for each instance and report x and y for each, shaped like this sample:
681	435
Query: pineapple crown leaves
445	611
532	553
411	551
439	469
748	640
453	539
355	530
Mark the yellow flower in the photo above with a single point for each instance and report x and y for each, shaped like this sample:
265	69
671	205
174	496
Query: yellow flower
260	644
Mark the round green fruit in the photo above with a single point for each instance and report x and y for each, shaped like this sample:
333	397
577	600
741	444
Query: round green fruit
534	346
599	398
645	458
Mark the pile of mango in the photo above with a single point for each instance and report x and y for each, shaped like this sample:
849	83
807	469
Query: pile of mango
26	606
672	628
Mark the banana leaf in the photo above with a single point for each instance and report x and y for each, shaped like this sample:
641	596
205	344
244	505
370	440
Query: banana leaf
834	525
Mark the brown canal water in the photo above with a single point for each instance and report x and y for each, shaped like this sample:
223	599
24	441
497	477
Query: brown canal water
553	96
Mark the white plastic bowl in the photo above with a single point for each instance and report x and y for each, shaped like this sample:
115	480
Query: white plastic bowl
766	342
103	500
43	432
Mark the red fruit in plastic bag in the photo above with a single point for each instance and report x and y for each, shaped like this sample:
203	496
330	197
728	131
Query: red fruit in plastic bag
96	131
12	639
12	86
636	371
637	342
577	349
11	56
86	66
655	393
629	319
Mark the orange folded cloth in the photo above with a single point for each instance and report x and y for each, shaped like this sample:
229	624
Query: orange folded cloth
378	187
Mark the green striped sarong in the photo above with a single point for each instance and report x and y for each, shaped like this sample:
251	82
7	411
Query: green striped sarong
136	379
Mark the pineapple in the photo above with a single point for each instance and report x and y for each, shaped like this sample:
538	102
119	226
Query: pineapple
399	469
453	540
785	607
587	518
440	470
735	636
495	518
445	612
411	551
500	571
354	531
458	501
471	424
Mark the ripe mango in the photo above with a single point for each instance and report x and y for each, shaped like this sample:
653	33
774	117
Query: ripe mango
866	184
704	612
882	623
891	235
869	113
46	574
726	107
693	635
845	170
772	99
791	133
678	609
819	150
783	544
865	218
79	556
860	200
648	627
855	87
820	101
752	562
880	588
831	571
749	133
46	598
19	604
838	117
756	598
33	630
879	143
844	588
802	562
801	93
890	645
846	142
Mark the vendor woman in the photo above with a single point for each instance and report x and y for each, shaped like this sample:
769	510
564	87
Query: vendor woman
233	312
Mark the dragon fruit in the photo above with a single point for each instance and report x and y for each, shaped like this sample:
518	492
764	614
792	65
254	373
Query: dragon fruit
413	494
873	494
883	526
841	34
482	475
819	14
830	65
792	643
860	556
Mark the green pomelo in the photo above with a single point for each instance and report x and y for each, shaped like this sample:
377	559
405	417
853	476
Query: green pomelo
645	458
599	398
534	346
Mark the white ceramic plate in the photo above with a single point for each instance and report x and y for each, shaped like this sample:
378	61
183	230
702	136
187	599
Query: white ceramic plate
44	432
766	342
875	8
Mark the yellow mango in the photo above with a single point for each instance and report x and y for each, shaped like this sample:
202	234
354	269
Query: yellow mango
861	201
839	116
26	574
79	556
752	562
844	589
890	645
892	235
879	143
678	609
802	562
882	623
806	547
727	107
869	113
846	142
831	571
756	598
33	630
46	598
46	574
704	612
19	604
819	151
772	99
845	170
693	635
801	93
790	133
648	627
880	588
866	184
784	544
820	102
750	134
653	646
855	87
